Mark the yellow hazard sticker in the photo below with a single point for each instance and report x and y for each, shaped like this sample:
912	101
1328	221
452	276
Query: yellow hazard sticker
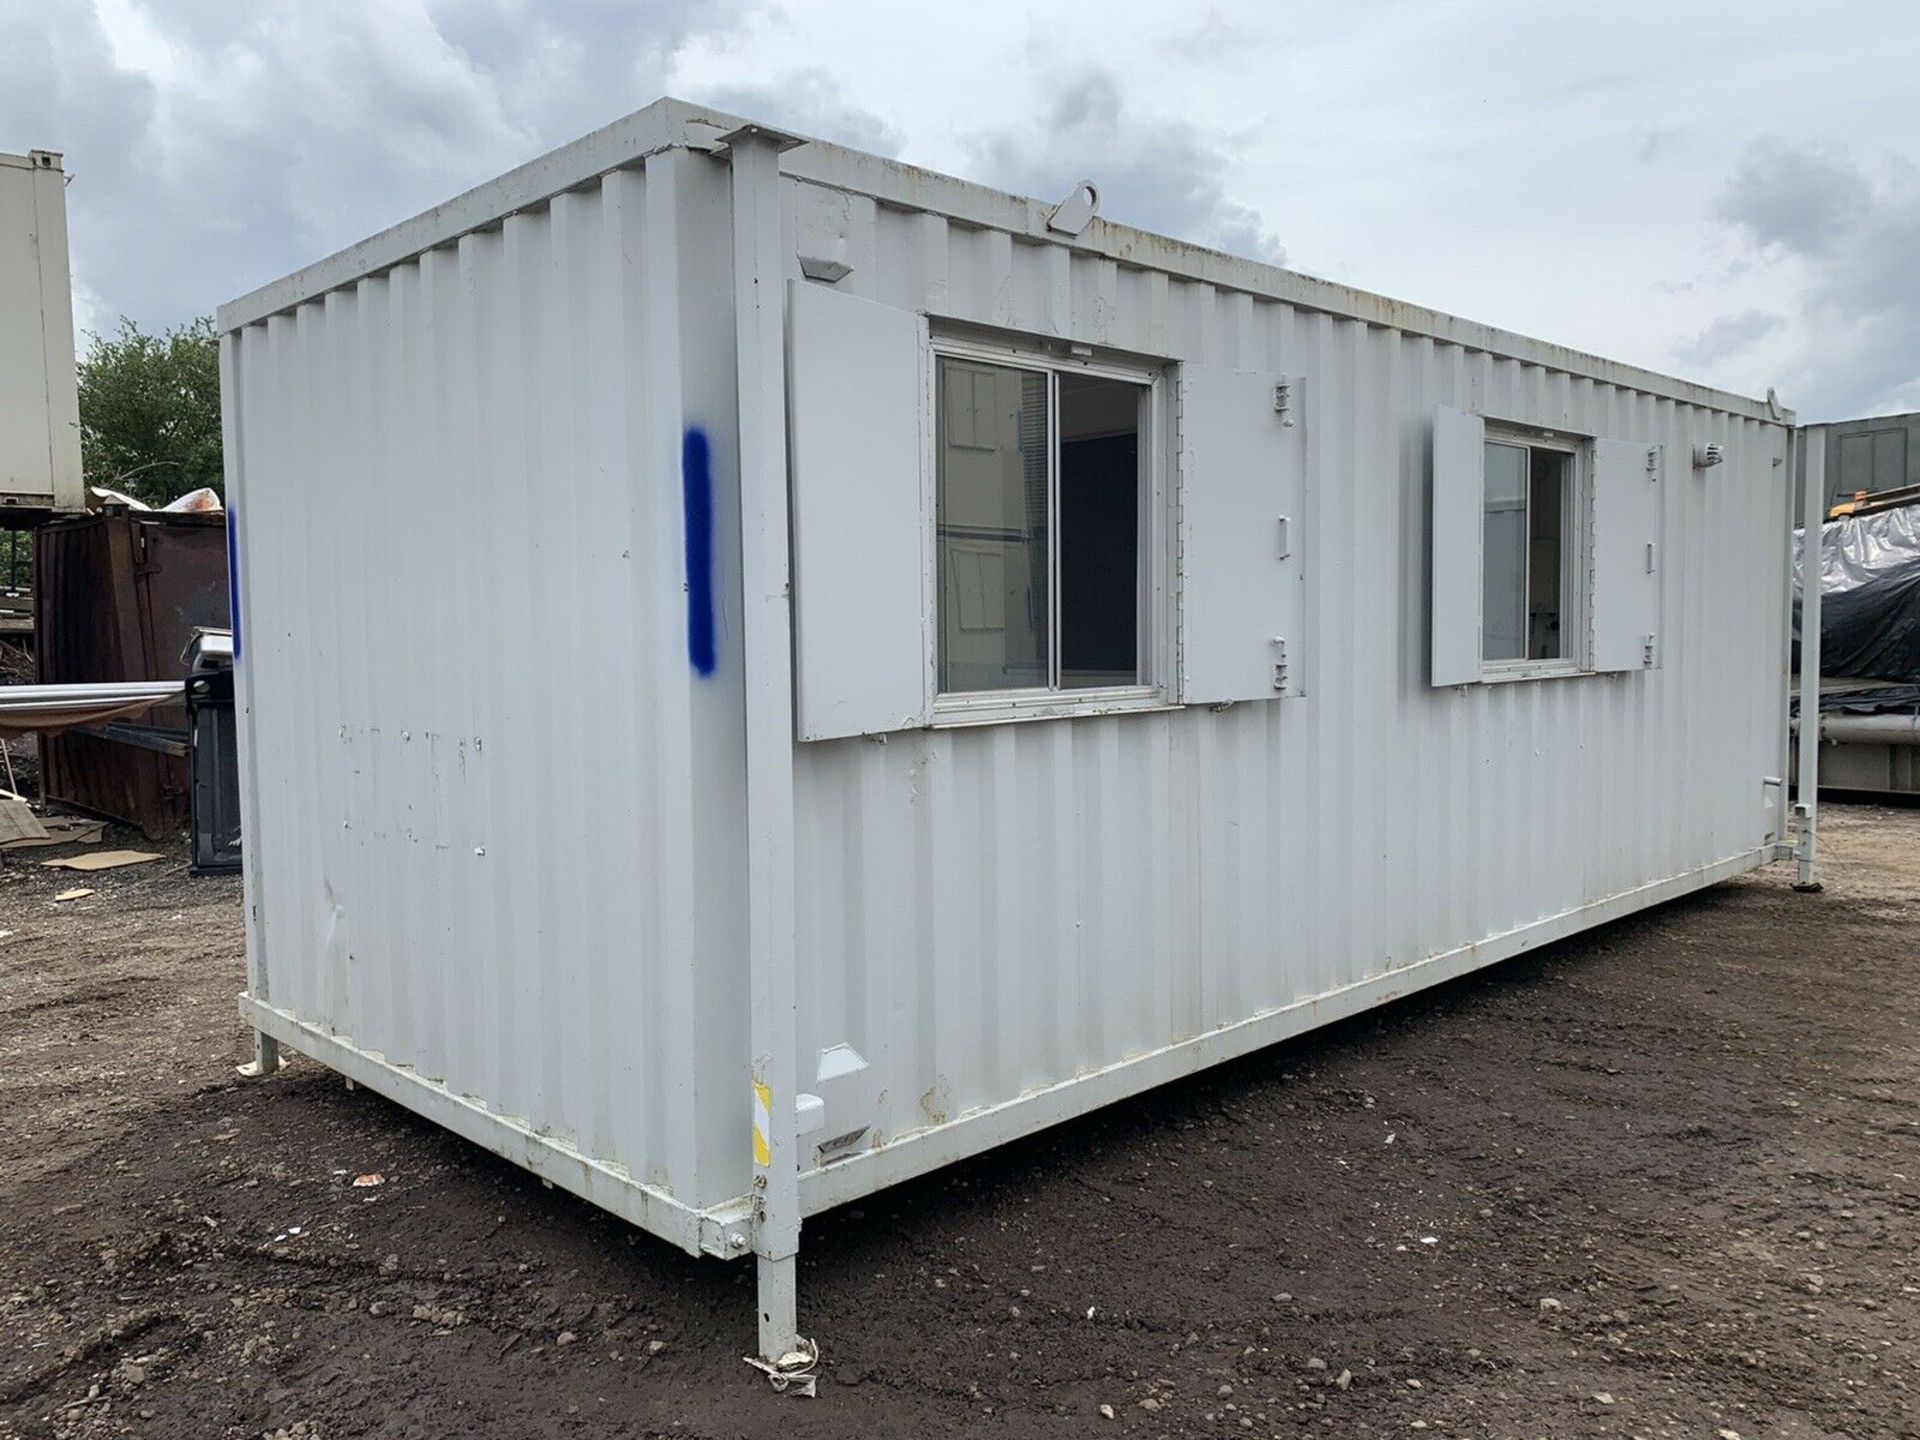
762	1123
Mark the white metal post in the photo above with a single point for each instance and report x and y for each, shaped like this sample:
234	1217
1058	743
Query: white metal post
760	337
1813	512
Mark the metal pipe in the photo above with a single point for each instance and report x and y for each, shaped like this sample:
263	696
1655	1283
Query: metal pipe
40	697
1807	807
1865	729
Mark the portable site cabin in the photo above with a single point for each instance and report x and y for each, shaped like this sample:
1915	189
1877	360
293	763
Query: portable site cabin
765	671
39	391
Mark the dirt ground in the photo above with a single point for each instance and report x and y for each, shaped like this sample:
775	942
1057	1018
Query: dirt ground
1662	1180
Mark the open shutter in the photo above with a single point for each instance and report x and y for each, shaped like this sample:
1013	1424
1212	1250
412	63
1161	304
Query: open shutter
1459	506
1627	509
857	377
1243	536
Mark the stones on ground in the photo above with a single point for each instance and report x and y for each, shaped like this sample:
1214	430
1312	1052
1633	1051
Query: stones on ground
1344	1379
1547	1302
1225	1392
1106	1412
1316	1363
566	1337
654	1347
1603	1397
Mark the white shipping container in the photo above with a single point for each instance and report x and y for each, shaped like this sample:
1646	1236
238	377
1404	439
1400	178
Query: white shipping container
39	398
765	671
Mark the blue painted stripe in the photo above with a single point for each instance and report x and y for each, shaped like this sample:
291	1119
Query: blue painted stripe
696	496
233	579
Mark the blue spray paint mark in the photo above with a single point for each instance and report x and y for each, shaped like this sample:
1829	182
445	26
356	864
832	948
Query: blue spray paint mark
233	578
696	487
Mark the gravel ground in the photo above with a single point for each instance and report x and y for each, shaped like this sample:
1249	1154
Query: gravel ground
1656	1181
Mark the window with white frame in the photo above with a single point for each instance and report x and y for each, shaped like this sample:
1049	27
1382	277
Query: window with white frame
990	528
1042	528
1544	554
1530	570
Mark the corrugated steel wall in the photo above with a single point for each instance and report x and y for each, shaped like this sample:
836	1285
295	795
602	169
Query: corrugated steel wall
499	821
988	911
499	814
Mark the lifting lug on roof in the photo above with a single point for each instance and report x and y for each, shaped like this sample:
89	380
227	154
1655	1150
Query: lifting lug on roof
820	267
1071	215
780	139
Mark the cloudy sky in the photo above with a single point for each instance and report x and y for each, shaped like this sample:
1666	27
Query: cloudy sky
1726	191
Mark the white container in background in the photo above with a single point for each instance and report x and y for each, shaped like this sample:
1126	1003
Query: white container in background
39	399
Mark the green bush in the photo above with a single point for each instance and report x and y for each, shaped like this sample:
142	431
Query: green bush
150	411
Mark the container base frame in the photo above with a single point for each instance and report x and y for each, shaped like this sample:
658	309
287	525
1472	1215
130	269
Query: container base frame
919	1152
723	1230
726	1231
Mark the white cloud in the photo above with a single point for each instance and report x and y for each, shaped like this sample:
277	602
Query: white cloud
1798	199
1547	169
1845	247
1728	335
1154	170
809	102
215	146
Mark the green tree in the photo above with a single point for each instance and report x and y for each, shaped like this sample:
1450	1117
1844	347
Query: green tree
150	411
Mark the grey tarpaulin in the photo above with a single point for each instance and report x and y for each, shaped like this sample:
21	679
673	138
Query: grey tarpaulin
1869	596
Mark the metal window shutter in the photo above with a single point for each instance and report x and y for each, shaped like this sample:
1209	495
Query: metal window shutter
1243	535
1627	493
858	374
1459	503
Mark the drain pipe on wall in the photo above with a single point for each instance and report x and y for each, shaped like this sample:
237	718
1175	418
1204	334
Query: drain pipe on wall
1807	807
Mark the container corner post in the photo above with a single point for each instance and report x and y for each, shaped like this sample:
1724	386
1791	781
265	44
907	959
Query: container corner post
1807	805
753	153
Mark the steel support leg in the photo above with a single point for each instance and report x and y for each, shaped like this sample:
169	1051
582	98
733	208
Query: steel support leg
779	1306
266	1057
1805	850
